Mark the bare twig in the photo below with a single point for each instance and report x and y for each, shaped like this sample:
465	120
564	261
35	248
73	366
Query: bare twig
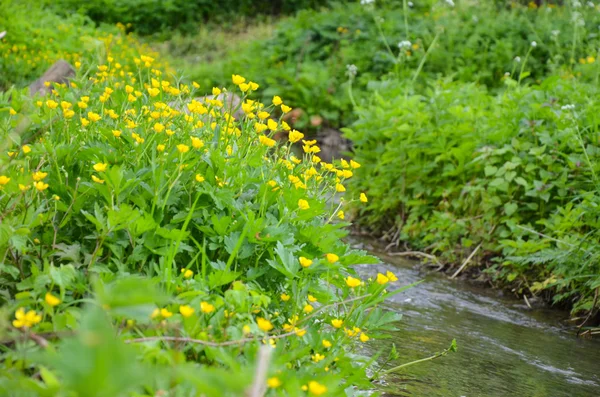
333	305
258	387
466	262
207	343
416	254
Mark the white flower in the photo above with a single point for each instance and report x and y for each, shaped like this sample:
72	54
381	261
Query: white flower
555	33
590	4
517	59
404	44
568	107
410	4
450	3
576	4
367	2
533	44
351	70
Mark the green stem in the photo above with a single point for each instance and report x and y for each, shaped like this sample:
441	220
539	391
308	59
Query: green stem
435	39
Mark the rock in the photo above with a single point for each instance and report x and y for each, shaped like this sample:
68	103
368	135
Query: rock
60	72
332	144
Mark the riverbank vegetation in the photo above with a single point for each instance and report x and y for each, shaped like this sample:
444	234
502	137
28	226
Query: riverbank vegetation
199	240
153	243
479	133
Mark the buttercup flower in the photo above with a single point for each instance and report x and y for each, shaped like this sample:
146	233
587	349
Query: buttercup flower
304	262
186	311
207	307
51	299
263	324
352	282
26	320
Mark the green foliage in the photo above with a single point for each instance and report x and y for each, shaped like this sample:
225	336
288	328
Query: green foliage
151	243
457	166
305	58
37	37
152	16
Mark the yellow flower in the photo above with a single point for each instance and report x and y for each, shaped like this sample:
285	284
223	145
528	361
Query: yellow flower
51	299
153	91
22	188
273	382
28	319
272	124
187	273
196	85
97	180
303	204
4	180
277	100
199	178
332	258
258	127
391	276
216	91
337	323
316	389
12	111
197	143
352	282
158	128
311	298
263	139
165	313
363	198
264	324
155	313
39	175
363	337
68	114
207	307
100	167
300	331
285	108
41	186
244	87
317	357
186	311
51	104
305	262
263	115
326	344
253	86
237	79
284	297
339	188
308	308
183	148
381	279
354	164
295	136
93	116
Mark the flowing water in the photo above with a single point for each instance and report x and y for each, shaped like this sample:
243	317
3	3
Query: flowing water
504	348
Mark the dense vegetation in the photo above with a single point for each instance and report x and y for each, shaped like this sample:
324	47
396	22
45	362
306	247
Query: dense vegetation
473	130
155	243
151	243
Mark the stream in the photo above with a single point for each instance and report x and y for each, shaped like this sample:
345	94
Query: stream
504	348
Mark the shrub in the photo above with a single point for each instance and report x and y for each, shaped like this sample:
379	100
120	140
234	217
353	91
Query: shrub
457	167
147	249
306	57
152	16
28	49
